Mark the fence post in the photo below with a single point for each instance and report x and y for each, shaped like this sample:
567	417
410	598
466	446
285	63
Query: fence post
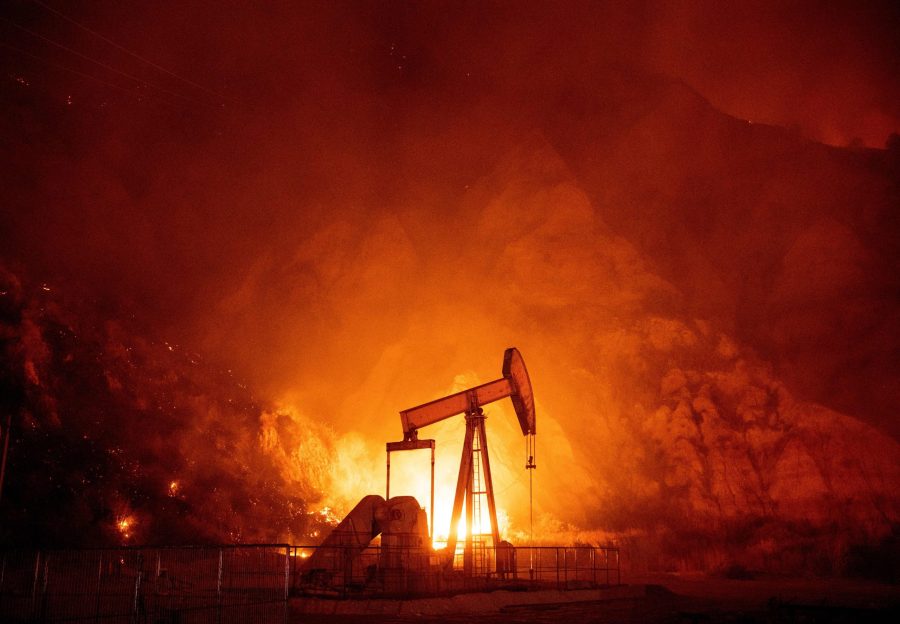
2	581
136	603
618	569
293	552
34	585
557	567
46	580
606	550
219	589
287	579
99	586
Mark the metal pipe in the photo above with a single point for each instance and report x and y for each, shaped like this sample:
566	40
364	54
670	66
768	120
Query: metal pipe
387	492
470	500
431	533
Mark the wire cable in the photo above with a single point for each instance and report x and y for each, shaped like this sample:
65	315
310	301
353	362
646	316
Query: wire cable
130	53
69	69
104	65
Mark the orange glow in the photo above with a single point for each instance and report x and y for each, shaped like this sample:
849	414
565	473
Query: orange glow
411	476
125	524
174	488
327	515
481	527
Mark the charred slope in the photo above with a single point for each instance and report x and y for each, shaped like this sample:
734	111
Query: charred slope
120	438
787	243
674	430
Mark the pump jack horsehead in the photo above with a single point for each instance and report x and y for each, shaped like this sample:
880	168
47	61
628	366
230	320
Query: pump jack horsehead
474	470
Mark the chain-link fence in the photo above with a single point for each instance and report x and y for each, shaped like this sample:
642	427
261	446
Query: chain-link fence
568	567
187	585
375	571
251	584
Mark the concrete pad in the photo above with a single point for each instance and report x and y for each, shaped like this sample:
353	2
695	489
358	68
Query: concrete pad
473	603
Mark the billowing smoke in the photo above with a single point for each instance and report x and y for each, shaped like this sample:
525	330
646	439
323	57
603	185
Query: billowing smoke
707	306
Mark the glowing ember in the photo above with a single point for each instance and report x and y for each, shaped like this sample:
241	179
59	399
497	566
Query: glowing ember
125	524
174	488
327	515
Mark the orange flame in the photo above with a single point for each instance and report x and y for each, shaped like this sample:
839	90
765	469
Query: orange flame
125	524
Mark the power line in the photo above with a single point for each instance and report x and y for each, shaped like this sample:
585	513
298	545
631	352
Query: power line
105	66
69	69
130	53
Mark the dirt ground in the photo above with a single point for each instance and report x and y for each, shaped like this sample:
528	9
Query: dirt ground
697	600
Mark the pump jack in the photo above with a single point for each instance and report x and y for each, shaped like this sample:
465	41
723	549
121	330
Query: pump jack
514	384
404	557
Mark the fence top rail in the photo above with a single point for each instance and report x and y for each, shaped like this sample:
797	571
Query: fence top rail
408	547
200	547
18	549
